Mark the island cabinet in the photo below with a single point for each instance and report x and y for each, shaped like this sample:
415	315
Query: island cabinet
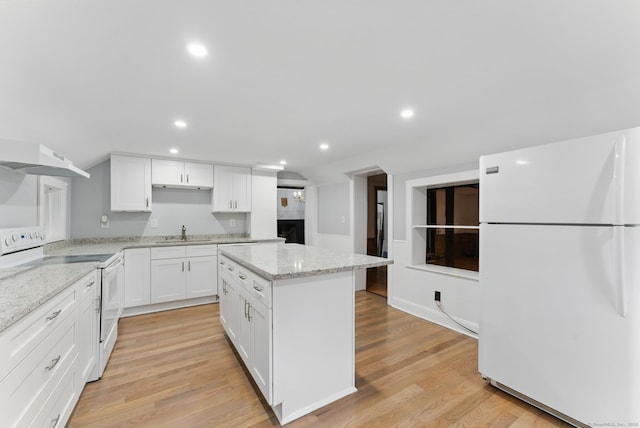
294	335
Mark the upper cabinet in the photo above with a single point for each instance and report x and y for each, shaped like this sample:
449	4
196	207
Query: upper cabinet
232	192
130	183
171	173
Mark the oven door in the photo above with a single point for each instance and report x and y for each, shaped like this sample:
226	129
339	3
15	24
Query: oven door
112	292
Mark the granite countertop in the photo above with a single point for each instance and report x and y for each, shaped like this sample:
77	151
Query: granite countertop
275	261
104	246
23	289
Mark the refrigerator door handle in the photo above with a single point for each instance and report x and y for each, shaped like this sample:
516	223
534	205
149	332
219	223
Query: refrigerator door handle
620	149
620	270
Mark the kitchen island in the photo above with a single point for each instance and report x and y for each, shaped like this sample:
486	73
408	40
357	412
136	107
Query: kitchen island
288	310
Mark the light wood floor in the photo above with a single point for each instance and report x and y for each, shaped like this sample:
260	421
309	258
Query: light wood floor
176	369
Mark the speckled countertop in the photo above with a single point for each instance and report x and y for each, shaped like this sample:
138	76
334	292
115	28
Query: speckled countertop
24	289
275	261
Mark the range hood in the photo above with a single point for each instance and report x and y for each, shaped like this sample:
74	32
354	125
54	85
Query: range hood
37	159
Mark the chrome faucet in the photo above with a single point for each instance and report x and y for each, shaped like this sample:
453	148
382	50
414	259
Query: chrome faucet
184	233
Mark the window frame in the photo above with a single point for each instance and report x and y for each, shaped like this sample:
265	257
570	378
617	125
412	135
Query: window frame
417	217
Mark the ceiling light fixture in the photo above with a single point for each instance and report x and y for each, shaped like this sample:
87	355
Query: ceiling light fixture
197	50
173	151
283	162
407	114
180	123
324	146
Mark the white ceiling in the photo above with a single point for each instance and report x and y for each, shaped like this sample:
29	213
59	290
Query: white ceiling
89	77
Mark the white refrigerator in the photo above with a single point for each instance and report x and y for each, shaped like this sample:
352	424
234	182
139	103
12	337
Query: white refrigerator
559	277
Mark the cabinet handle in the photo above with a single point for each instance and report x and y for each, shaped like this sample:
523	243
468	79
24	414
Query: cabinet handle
54	315
187	178
257	288
230	268
54	362
54	422
245	309
249	313
235	205
189	262
180	178
90	284
221	262
242	276
182	266
147	202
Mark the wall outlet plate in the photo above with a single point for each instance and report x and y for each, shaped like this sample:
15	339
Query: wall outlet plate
154	223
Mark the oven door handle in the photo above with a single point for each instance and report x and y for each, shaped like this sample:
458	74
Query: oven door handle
113	266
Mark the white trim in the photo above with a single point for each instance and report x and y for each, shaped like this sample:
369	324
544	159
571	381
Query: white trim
445	270
165	306
435	317
390	240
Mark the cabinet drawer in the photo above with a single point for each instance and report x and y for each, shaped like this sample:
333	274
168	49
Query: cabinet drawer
59	404
202	250
27	387
88	287
260	289
168	253
21	339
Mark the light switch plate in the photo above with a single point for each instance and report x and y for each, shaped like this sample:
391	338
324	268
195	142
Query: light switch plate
154	223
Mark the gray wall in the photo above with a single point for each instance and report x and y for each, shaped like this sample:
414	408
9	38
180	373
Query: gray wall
334	209
172	208
18	199
400	197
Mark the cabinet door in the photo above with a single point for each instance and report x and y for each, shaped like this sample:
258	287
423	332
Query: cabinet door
260	366
130	183
202	276
245	340
242	189
167	280
137	277
222	188
198	174
167	172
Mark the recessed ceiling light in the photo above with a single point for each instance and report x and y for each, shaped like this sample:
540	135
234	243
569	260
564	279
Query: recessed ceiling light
407	113
197	49
283	162
324	146
173	150
180	123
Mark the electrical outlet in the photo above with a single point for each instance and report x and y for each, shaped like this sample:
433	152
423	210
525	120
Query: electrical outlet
154	223
232	222
437	296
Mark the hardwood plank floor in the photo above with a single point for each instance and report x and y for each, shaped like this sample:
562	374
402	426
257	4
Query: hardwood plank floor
176	369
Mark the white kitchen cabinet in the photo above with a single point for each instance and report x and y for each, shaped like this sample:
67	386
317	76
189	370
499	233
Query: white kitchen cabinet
130	183
183	272
173	173
137	277
168	280
229	304
251	329
89	319
42	358
232	189
201	276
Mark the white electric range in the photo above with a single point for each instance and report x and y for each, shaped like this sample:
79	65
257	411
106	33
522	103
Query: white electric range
24	247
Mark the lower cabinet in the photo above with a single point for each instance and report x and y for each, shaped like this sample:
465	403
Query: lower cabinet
247	321
47	356
160	278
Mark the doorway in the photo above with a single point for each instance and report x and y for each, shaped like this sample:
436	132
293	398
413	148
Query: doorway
377	231
291	214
